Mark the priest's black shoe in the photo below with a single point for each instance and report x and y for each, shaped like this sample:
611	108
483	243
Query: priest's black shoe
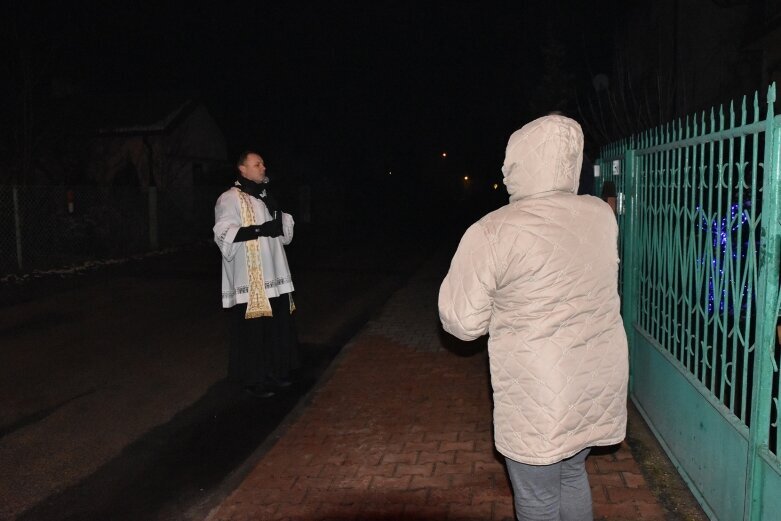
278	384
259	391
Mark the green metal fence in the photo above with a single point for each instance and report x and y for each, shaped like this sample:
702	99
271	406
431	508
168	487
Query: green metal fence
699	211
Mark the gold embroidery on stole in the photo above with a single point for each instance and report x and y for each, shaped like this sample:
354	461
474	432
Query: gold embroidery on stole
258	304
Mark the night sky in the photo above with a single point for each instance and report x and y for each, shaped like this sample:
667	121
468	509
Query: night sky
345	88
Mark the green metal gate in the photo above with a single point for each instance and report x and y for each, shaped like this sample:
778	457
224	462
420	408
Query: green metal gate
699	208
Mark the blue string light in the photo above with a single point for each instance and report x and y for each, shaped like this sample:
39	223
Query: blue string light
721	231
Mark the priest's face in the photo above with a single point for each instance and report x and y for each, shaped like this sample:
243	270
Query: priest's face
253	168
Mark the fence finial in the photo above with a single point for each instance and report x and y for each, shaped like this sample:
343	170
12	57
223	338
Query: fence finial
756	106
743	112
771	93
731	113
712	120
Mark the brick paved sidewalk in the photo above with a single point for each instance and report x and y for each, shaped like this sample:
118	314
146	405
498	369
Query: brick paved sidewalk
401	430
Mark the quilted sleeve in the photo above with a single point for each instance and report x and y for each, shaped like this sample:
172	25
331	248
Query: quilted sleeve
227	221
466	294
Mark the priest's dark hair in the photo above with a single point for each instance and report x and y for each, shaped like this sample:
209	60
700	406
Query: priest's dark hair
243	157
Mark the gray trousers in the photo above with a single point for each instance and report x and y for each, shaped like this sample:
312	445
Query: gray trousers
556	492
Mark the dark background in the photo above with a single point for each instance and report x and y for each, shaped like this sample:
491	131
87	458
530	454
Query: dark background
348	89
351	104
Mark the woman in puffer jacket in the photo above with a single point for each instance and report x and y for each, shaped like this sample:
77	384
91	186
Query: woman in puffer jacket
540	275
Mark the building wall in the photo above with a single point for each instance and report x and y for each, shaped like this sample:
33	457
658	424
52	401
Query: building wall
196	141
166	160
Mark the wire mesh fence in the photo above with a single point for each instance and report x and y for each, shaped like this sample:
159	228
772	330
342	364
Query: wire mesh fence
49	227
43	227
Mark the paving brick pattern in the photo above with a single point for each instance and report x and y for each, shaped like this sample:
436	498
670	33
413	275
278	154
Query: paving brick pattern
410	316
402	430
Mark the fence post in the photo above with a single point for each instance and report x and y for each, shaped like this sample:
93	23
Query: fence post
17	227
153	237
628	256
767	313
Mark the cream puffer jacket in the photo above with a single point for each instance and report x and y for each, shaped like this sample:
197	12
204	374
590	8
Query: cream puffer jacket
540	277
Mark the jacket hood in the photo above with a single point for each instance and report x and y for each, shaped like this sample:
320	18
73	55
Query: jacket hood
543	156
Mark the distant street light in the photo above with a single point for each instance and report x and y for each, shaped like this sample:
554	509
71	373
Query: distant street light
444	154
496	186
466	178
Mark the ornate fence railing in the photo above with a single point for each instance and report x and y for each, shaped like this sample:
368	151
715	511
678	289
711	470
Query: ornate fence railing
698	208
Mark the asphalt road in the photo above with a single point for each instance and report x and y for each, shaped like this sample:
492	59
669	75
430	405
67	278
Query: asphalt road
114	404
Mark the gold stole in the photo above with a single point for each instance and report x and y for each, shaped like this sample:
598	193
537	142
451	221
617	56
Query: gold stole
258	304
